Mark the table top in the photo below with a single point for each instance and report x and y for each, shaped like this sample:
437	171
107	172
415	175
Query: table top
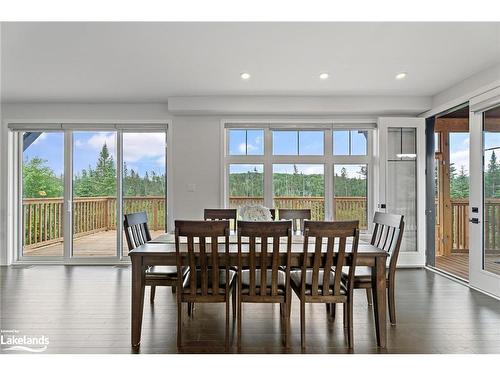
165	244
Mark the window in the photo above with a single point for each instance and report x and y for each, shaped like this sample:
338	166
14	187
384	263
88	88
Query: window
302	142
350	142
300	186
246	184
295	167
246	142
351	193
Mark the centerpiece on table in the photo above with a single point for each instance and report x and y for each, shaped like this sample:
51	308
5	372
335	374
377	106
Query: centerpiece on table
255	213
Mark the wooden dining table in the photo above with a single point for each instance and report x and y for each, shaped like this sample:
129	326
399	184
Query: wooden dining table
161	252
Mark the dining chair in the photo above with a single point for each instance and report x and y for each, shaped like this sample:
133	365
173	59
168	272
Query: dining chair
137	233
221	214
209	279
262	281
387	235
323	282
297	215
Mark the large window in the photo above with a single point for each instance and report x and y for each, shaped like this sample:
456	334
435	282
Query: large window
295	168
300	186
70	206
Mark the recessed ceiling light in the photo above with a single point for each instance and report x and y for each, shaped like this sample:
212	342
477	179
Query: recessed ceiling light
245	76
324	76
401	75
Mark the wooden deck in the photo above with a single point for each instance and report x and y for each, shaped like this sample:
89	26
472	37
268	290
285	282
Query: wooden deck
458	264
101	244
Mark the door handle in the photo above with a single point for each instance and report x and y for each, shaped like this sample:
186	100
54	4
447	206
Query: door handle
474	220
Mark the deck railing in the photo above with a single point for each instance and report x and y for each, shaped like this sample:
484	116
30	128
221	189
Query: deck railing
460	225
346	208
43	217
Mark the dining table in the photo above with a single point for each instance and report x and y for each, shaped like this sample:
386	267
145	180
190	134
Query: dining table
161	252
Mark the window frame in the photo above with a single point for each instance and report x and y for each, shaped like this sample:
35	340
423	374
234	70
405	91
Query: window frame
328	160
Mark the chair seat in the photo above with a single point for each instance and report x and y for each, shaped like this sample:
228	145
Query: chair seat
164	272
296	278
245	282
363	274
186	287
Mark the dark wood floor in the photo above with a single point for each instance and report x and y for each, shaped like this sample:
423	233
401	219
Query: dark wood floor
86	309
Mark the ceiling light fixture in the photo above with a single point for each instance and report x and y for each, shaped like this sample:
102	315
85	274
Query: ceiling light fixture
245	76
401	75
324	76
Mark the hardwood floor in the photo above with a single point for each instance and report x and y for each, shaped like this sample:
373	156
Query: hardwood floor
86	309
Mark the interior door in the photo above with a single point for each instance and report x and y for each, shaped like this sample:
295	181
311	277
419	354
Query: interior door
401	144
484	222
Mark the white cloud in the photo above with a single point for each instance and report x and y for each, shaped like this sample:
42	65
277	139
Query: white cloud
459	158
242	148
136	146
143	145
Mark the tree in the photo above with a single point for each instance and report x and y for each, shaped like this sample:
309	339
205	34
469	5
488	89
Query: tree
492	178
40	181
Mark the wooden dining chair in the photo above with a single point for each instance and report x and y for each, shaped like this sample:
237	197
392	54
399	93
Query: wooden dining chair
297	215
221	214
137	233
209	279
320	281
262	281
387	235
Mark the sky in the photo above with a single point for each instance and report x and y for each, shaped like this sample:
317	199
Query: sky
142	151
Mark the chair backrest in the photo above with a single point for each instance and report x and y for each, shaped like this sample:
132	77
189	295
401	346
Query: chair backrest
136	229
267	259
388	234
220	214
200	258
273	213
336	233
296	215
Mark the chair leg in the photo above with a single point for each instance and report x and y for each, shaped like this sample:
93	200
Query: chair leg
190	308
179	324
350	331
173	289
333	309
328	306
369	297
227	322
234	302
303	324
345	315
152	295
239	322
287	325
392	303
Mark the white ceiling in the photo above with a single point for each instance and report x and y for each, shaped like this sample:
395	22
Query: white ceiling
139	62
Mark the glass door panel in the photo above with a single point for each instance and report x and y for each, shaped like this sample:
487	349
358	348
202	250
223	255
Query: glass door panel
491	191
144	179
42	194
401	186
94	206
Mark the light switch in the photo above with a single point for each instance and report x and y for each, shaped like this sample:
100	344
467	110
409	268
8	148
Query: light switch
191	187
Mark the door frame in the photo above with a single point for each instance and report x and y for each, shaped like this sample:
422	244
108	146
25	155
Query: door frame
478	277
414	258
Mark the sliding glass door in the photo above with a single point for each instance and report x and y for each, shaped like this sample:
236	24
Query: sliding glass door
75	186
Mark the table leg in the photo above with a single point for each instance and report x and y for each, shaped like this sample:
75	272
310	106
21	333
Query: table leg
137	299
379	300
